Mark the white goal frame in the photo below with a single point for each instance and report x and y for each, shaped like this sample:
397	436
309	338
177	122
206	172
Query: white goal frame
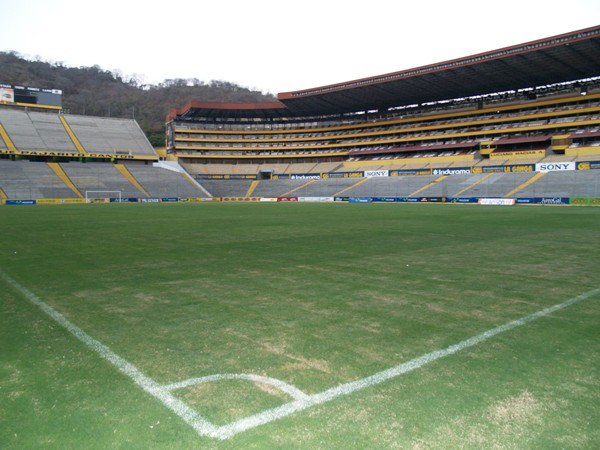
89	198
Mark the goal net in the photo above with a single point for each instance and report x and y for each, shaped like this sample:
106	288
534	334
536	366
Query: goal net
101	196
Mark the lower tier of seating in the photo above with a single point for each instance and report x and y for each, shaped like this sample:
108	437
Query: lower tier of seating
23	179
31	180
584	184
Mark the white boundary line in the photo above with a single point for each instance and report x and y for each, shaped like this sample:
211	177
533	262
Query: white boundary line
301	402
191	417
270	415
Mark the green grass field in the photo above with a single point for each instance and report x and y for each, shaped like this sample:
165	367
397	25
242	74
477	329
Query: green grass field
324	298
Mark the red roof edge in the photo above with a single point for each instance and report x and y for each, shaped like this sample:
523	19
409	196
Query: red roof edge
226	106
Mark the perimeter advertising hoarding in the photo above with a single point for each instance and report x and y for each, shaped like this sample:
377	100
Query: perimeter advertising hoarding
376	173
488	169
464	200
585	201
30	95
399	172
342	175
452	171
520	168
497	201
553	201
542	201
59	201
387	199
554	166
306	176
588	165
20	202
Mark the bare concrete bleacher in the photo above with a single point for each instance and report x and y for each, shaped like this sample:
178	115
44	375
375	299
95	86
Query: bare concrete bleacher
35	131
110	135
50	155
30	180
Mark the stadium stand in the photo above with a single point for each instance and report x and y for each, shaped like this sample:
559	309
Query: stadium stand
27	180
108	135
164	183
100	176
522	121
35	131
40	133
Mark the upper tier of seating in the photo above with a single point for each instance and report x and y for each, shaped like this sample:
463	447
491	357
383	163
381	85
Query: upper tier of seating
31	133
511	127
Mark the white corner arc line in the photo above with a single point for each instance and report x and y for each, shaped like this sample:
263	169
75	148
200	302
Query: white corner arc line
273	414
289	389
205	428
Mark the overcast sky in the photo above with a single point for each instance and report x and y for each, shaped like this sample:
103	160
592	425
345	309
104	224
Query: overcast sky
276	45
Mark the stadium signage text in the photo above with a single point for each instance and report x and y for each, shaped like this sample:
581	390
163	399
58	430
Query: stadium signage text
497	201
376	173
554	167
400	172
306	177
21	202
67	154
520	168
460	171
554	201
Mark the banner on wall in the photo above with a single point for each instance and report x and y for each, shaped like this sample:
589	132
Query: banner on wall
497	201
452	171
399	172
376	173
306	176
554	166
20	202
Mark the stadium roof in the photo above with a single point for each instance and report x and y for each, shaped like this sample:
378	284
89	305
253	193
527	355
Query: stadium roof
562	58
214	110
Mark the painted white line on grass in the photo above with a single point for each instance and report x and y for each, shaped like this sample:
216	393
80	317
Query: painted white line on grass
273	414
302	401
191	417
292	391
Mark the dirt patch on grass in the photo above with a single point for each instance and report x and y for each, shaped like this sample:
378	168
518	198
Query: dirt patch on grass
298	362
514	411
271	390
304	364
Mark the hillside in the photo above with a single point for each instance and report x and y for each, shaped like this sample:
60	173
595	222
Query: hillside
97	92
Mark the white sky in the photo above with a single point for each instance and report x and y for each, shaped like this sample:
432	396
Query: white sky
276	45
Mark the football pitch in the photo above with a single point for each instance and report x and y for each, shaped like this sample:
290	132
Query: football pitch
321	326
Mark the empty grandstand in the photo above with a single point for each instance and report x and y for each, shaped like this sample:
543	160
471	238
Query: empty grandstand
50	155
499	116
496	124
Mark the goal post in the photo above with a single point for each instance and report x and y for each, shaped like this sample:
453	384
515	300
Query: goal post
101	196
